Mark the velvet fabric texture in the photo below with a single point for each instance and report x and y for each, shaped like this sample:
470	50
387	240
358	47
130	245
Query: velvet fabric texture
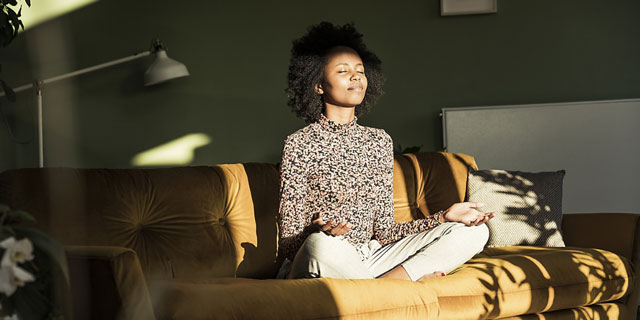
322	298
117	271
603	311
193	242
510	281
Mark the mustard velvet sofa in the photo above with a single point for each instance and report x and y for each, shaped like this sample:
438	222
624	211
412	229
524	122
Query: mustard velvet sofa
201	243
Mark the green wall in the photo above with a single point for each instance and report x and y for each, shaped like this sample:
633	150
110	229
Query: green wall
531	51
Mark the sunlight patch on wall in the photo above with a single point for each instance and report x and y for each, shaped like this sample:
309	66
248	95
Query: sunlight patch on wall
44	10
177	152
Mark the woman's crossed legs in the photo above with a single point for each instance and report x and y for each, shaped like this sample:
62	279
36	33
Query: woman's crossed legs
442	248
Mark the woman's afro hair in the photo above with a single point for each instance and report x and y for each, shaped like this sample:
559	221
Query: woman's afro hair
306	68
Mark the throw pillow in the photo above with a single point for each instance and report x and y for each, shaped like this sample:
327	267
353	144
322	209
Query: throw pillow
528	206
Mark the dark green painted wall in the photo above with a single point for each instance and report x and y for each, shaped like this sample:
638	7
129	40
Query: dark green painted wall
531	51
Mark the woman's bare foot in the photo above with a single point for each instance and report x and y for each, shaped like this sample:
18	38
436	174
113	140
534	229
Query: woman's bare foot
432	275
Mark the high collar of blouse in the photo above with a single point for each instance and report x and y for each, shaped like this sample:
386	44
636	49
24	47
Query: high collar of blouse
333	126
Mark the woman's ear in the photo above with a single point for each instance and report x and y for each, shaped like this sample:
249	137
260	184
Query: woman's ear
318	88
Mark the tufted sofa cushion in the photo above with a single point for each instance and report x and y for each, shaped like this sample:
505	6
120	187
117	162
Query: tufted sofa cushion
173	218
204	222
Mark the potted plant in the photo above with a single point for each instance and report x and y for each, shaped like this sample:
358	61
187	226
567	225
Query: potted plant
10	24
34	277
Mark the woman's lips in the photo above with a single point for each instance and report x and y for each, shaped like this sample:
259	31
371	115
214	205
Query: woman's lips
356	88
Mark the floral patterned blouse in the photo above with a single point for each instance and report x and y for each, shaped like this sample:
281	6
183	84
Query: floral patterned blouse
344	172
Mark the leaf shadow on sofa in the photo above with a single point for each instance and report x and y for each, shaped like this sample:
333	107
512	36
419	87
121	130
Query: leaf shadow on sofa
534	280
546	279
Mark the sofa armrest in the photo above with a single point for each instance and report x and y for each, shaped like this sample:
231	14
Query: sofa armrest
107	283
615	232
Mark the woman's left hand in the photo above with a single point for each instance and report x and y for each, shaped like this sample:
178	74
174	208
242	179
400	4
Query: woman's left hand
466	213
331	227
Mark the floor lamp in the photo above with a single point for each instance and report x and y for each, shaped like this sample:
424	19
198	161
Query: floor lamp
161	70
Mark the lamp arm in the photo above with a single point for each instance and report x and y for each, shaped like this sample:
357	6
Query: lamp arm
156	46
82	71
38	84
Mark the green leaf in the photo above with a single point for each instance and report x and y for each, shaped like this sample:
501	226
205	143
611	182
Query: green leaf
12	14
5	34
52	262
3	207
14	21
6	29
6	232
31	302
20	216
6	37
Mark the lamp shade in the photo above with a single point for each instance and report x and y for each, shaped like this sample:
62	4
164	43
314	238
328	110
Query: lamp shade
163	69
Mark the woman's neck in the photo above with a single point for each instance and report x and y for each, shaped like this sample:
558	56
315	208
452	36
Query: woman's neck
340	114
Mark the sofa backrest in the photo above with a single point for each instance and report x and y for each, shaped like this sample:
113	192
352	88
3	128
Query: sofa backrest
427	182
200	222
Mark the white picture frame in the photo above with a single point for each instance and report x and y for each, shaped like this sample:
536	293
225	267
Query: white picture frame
461	7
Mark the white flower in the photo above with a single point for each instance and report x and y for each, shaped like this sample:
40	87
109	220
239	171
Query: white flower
16	251
12	277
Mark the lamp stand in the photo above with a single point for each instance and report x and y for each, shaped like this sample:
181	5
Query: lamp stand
176	69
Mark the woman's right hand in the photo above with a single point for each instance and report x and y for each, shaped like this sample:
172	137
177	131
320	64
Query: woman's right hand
331	227
466	213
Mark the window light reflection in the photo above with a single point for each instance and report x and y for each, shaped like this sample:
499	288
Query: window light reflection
44	10
177	152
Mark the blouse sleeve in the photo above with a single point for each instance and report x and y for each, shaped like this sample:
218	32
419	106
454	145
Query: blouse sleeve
386	230
292	219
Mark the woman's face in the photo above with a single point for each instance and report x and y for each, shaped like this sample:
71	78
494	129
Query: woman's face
345	83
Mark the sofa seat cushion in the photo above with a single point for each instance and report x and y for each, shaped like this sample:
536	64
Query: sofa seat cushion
229	298
509	281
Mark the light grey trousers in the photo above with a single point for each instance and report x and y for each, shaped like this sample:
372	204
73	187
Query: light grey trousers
442	248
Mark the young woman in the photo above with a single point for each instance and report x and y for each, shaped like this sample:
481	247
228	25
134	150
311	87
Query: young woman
336	198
